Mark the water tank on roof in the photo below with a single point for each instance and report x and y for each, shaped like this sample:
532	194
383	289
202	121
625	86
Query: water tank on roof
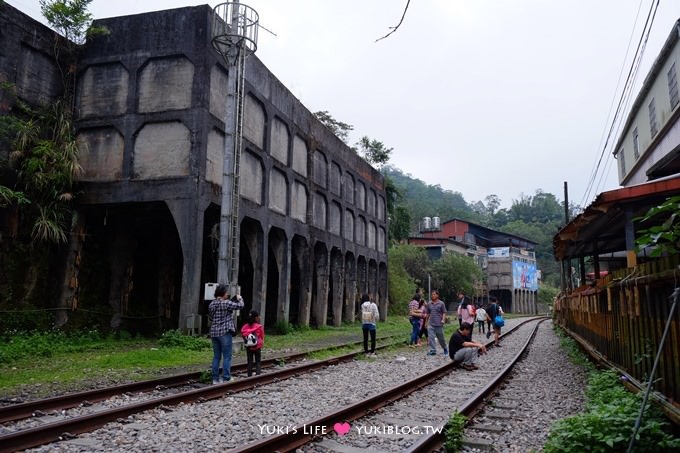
436	223
427	223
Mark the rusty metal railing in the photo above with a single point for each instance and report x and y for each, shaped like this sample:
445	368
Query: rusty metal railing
623	317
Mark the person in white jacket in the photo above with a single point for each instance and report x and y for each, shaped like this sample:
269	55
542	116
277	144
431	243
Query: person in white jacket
481	319
369	318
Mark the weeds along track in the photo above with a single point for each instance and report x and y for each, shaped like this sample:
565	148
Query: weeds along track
38	422
11	411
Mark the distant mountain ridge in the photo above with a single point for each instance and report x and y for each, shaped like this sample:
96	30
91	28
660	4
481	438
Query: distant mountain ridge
424	200
536	217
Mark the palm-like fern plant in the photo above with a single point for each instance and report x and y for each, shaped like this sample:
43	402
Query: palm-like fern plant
45	157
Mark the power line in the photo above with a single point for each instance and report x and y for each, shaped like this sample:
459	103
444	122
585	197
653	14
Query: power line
611	107
629	99
627	89
609	160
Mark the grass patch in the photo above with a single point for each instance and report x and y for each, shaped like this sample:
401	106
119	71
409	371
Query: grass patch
34	358
454	432
176	339
573	350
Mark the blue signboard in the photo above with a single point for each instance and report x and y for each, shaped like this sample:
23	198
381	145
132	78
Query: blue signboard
524	276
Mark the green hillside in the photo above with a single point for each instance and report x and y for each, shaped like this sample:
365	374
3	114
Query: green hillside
537	217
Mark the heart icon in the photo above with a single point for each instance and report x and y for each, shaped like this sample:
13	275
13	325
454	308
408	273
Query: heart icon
341	428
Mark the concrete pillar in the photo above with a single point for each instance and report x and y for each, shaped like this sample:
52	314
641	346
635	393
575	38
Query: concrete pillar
373	280
301	249
320	303
362	277
350	288
383	291
259	251
284	283
188	217
71	286
338	276
167	273
121	253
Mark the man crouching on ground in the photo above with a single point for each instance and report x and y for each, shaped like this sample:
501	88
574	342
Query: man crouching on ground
462	350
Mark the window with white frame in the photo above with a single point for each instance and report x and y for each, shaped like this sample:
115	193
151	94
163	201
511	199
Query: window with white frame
673	86
653	126
622	164
636	144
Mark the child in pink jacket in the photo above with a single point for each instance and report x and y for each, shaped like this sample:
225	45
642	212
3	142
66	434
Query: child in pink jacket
253	339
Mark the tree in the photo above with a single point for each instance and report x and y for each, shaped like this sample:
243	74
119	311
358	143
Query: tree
487	210
373	151
399	225
413	259
521	209
493	202
74	22
409	266
454	272
69	17
340	129
664	234
45	151
546	207
423	200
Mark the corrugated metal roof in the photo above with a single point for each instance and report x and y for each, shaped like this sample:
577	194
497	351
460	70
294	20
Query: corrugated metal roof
600	228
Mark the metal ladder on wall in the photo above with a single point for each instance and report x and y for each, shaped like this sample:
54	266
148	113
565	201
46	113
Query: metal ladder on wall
238	146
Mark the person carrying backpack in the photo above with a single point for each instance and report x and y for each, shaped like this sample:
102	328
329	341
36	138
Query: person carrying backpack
253	339
369	317
492	311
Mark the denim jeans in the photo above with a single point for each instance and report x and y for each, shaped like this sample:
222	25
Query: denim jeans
221	348
366	330
415	323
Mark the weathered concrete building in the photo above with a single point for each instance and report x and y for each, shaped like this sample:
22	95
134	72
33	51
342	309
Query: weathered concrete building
648	147
151	99
507	261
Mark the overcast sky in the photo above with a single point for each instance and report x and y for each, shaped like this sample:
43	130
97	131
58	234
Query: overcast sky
479	96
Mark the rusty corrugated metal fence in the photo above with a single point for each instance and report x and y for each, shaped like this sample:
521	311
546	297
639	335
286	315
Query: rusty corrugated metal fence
623	318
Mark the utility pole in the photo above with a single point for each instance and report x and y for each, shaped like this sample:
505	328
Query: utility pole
234	36
566	267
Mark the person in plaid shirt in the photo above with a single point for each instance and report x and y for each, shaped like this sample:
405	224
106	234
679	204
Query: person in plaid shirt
415	316
222	330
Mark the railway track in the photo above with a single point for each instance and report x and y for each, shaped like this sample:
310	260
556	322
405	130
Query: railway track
393	420
35	423
291	402
19	411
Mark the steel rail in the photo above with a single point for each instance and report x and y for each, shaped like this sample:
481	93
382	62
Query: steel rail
31	408
435	440
60	430
310	431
